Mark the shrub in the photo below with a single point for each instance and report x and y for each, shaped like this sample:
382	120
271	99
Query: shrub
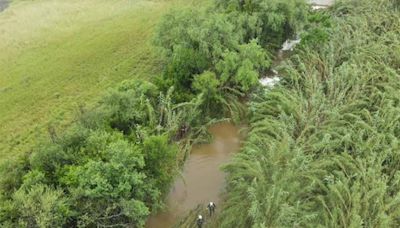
40	206
271	22
160	159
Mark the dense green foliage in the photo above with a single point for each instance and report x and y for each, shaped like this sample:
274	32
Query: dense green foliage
110	168
229	43
323	147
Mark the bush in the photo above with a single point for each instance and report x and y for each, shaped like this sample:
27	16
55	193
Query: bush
40	206
271	22
242	67
127	105
101	188
160	158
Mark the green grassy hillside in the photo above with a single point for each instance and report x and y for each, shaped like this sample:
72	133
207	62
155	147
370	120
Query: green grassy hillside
56	55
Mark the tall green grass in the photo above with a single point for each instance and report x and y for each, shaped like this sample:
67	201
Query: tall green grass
324	146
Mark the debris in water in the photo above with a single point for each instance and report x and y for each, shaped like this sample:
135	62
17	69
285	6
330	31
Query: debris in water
321	2
318	7
290	44
270	82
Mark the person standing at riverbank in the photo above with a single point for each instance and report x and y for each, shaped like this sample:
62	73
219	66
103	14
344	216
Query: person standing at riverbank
211	208
200	221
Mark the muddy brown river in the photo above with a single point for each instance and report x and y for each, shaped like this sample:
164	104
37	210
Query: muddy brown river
202	180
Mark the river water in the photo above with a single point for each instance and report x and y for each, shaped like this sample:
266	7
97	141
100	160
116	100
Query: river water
202	180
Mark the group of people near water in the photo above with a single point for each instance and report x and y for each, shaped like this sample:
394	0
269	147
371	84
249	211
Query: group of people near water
211	209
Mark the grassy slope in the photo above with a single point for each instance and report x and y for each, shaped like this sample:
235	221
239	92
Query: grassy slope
56	55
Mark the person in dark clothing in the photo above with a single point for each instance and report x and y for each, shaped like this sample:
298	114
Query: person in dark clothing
200	221
211	208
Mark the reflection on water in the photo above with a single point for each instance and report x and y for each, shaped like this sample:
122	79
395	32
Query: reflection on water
202	180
